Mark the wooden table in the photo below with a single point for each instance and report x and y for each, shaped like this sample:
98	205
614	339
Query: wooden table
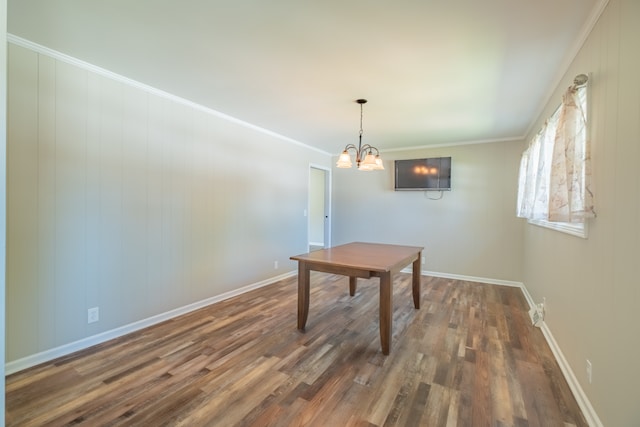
361	260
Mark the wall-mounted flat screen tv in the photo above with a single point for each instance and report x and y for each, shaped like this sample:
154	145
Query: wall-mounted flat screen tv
423	174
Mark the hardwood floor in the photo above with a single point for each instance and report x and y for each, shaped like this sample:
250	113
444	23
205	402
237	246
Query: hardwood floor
468	357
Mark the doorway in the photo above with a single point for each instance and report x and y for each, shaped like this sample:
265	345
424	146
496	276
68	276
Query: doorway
319	225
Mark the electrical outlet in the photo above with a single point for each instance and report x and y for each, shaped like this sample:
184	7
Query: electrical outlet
275	265
541	310
423	260
537	314
93	315
589	371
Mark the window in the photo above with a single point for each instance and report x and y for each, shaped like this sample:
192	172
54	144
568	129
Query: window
554	188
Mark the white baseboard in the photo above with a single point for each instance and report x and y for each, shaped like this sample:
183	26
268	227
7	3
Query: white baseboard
35	359
467	278
581	397
47	355
470	278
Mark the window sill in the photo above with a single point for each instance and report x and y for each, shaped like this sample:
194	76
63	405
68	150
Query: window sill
578	230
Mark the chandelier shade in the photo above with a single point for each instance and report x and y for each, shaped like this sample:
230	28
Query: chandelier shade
344	161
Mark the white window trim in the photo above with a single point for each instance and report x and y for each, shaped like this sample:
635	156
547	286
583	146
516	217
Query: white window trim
578	230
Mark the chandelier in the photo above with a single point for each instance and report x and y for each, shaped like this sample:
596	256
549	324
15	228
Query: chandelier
366	160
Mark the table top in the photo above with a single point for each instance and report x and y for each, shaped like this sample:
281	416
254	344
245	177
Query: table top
367	256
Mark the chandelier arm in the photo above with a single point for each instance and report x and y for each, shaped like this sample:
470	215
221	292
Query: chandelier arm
370	148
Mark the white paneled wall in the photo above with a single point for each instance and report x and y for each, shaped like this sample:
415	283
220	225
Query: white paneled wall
133	202
591	285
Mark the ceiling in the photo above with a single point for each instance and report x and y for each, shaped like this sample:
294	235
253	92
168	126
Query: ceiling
433	71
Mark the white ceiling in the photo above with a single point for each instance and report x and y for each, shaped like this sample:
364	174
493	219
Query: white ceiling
434	71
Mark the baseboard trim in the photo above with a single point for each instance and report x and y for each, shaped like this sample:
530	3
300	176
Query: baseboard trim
581	397
45	356
579	394
63	350
468	278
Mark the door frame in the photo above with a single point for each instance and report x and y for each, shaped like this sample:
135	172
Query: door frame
327	203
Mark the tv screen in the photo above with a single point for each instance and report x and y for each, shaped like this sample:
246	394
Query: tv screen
423	174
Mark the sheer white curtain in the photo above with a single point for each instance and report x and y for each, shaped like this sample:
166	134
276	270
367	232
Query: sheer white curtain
571	196
555	170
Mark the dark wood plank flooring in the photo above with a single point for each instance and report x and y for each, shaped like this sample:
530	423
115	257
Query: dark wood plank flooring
468	357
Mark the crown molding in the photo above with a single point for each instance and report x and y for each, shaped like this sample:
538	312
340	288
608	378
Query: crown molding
596	12
456	144
59	56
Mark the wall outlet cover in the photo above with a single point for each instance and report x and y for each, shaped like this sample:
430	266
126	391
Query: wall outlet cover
93	315
536	316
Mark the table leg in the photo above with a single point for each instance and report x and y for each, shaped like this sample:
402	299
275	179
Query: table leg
303	294
416	281
353	281
386	306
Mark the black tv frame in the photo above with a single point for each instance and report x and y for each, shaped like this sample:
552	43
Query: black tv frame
419	175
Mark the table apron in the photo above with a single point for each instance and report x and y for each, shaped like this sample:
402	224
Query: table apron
344	271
